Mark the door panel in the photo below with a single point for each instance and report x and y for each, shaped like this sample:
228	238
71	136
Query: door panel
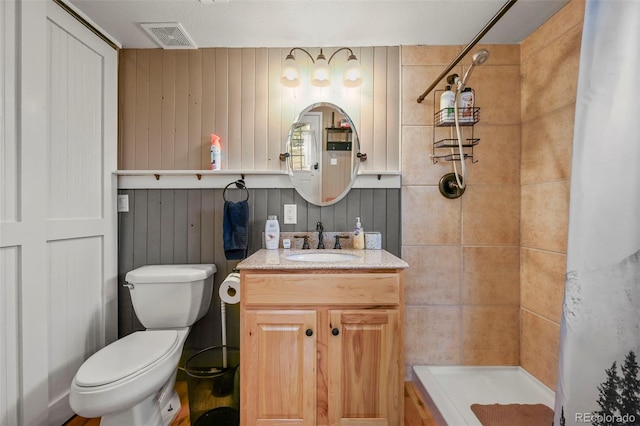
281	382
362	347
80	193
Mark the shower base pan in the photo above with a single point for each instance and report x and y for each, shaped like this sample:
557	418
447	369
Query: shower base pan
449	391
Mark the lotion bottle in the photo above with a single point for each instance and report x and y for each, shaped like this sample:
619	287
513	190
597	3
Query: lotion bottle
272	233
358	236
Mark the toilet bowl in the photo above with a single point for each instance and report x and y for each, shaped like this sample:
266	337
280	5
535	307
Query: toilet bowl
131	381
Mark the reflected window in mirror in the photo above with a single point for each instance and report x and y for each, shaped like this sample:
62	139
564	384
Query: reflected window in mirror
303	148
322	145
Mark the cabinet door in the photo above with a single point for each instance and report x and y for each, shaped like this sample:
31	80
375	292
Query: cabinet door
278	367
365	376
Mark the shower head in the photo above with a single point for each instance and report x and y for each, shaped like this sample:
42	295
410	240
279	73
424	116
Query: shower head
478	58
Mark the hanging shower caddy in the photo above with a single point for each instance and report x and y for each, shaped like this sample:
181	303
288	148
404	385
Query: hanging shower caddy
467	126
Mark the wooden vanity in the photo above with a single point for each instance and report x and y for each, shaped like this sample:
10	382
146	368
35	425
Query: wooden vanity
322	343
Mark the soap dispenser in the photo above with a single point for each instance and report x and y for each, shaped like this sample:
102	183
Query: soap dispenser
358	236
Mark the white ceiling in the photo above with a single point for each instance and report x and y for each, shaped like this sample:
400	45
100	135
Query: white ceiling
321	23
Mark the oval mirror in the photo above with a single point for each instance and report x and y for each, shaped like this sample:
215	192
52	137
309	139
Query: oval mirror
322	148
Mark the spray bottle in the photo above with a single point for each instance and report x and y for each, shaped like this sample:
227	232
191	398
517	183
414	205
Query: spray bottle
216	153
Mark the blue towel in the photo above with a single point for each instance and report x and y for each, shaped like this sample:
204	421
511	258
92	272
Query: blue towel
235	227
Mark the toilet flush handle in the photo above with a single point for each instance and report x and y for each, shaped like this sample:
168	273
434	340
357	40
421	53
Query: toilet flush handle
128	285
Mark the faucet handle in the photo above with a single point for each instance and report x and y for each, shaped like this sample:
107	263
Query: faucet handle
305	243
338	237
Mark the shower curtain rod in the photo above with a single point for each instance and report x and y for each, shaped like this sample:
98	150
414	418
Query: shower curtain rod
466	50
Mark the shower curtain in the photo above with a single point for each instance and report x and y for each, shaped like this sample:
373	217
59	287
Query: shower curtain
598	380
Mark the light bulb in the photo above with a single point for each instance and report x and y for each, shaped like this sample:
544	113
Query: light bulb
352	76
321	73
290	76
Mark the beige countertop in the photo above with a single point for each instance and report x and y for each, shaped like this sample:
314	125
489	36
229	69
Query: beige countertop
365	259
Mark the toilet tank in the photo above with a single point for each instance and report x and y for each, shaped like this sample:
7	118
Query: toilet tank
170	296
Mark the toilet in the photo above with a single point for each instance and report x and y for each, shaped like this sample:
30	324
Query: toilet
131	381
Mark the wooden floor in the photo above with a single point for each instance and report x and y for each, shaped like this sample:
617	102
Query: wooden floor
415	410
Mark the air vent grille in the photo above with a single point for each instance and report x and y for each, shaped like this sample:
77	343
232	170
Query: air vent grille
169	35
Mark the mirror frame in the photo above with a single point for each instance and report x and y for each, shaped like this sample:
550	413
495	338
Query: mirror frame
355	149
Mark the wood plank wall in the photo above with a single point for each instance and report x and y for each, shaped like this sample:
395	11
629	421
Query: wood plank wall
185	226
171	101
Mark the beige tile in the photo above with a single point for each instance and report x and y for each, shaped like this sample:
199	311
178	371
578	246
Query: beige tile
429	55
547	146
491	276
565	19
433	335
497	155
417	166
490	335
497	93
434	275
415	80
540	344
545	216
490	214
550	78
428	218
542	280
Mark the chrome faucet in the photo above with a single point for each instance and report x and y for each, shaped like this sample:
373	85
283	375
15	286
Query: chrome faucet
320	230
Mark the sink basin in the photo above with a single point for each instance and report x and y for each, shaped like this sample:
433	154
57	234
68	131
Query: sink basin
322	257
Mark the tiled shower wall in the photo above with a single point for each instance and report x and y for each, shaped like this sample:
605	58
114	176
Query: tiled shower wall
185	226
462	289
487	278
550	61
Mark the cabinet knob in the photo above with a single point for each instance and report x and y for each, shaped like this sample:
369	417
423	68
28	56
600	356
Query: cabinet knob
309	332
335	331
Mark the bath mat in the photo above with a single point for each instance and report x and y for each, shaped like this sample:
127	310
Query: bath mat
513	414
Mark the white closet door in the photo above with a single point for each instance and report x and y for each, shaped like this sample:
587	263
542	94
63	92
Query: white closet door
81	220
58	232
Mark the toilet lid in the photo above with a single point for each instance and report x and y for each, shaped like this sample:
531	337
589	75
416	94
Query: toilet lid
125	357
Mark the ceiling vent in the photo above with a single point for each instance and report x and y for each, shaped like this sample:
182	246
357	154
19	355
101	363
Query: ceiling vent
169	35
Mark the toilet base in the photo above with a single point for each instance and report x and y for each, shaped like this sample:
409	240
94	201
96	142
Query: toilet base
171	409
145	413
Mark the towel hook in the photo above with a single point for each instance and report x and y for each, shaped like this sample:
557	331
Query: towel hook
240	185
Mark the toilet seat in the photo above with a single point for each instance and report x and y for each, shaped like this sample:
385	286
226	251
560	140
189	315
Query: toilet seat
125	357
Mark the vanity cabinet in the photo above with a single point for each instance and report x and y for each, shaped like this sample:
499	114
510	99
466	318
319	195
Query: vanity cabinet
321	348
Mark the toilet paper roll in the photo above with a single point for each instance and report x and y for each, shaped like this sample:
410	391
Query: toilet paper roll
230	289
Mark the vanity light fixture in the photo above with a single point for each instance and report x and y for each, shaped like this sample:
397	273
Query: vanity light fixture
321	73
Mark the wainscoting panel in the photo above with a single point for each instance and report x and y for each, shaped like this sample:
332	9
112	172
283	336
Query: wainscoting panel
171	101
167	226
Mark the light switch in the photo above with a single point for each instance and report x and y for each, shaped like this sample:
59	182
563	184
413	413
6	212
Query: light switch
123	203
334	161
290	214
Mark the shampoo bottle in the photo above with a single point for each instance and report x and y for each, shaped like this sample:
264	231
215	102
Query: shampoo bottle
447	104
272	233
216	153
465	105
358	235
